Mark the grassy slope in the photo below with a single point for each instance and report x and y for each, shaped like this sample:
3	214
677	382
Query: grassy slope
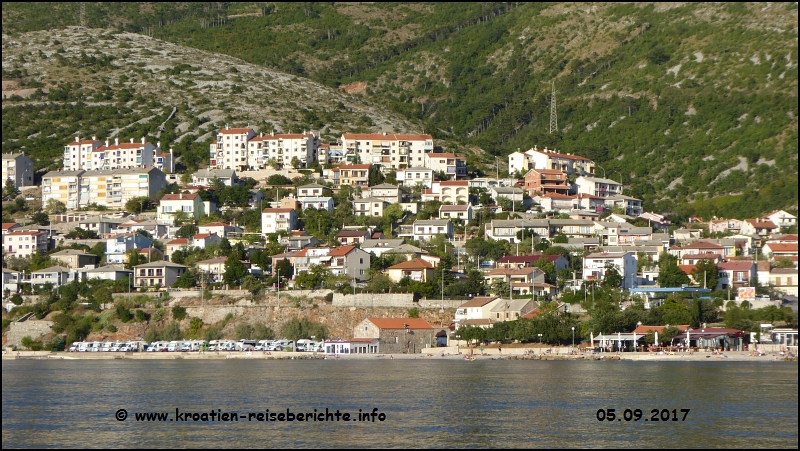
694	107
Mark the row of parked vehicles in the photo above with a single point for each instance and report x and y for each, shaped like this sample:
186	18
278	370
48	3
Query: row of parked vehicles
303	345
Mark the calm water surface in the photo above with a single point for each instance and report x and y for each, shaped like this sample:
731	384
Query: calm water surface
427	403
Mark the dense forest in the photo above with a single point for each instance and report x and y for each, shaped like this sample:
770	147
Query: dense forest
692	106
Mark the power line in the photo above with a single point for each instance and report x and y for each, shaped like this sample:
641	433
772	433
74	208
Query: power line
553	116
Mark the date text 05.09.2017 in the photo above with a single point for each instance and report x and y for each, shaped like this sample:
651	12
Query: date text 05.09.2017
636	415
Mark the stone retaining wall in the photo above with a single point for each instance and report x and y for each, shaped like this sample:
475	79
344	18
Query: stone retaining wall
32	328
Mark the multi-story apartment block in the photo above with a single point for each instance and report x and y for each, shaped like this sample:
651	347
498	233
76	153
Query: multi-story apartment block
369	206
351	174
18	168
386	191
453	166
550	159
123	155
447	191
544	181
413	175
283	148
165	162
109	188
598	186
229	151
276	219
24	243
630	205
78	153
331	154
312	190
389	150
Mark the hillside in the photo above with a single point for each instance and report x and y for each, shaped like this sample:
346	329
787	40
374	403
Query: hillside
68	82
692	106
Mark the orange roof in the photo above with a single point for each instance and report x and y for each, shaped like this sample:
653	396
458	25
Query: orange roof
179	197
215	224
562	155
235	131
761	224
352	166
454	183
277	136
557	196
134	145
179	241
201	236
8	225
412	264
783	247
400	323
85	141
687	269
340	251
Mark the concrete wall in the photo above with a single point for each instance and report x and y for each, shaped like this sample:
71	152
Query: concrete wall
400	300
32	328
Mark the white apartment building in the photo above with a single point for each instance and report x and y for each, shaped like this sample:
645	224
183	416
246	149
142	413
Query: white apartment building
18	168
229	151
598	186
283	148
549	159
277	219
123	155
594	266
24	244
369	206
425	230
109	188
413	175
78	153
455	167
388	150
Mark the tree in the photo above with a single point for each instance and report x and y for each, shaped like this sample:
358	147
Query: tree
40	218
137	204
9	190
179	218
55	206
784	262
375	175
612	277
186	280
296	163
706	272
178	313
669	274
133	258
234	270
187	231
284	268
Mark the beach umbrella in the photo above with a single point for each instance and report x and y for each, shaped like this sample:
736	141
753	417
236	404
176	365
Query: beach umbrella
619	340
687	338
592	339
656	340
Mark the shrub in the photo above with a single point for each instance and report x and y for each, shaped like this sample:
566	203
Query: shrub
178	313
141	316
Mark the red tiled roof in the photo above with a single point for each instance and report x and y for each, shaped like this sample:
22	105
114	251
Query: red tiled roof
352	233
179	241
353	166
277	136
8	225
761	224
707	255
400	323
201	236
454	183
527	258
85	141
688	268
562	155
134	145
179	196
340	251
736	266
215	224
783	247
412	264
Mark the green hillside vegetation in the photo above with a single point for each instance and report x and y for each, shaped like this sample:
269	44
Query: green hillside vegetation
693	107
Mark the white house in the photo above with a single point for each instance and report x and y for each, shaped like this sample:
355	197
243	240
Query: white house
277	219
219	228
18	168
160	273
413	175
24	243
320	203
460	212
594	266
476	308
424	230
229	151
781	218
598	186
370	206
118	245
389	150
78	153
109	272
170	204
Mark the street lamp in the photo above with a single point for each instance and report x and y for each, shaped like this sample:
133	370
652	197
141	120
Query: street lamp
573	338
636	345
279	287
540	344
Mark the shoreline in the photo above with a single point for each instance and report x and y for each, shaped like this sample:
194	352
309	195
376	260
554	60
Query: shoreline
734	356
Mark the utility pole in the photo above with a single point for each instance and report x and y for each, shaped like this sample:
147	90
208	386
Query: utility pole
553	116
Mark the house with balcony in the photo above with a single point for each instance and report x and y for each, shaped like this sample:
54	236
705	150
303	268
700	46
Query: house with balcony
220	229
550	159
415	175
350	261
594	267
448	192
512	193
512	310
78	153
12	280
204	177
190	204
313	191
109	272
630	205
507	229
544	181
529	261
475	309
736	274
212	270
425	230
555	202
353	236
370	206
456	212
55	275
454	167
102	226
25	243
123	155
784	280
415	269
381	246
118	245
781	218
598	186
283	148
757	227
274	220
319	203
351	175
385	191
724	225
521	281
298	240
161	273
